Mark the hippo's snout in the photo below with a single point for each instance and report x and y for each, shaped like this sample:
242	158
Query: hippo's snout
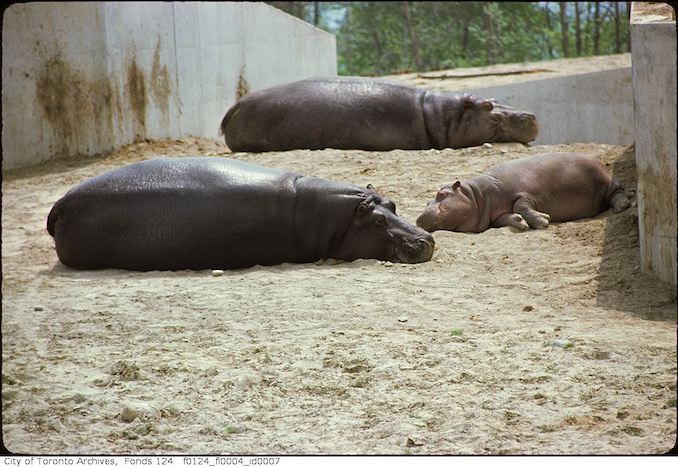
418	250
427	220
526	127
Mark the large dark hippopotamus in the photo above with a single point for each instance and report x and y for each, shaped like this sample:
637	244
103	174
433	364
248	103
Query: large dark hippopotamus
217	213
368	114
524	193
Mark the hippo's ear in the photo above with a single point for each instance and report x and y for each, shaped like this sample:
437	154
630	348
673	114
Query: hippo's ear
455	185
468	102
370	187
365	206
487	105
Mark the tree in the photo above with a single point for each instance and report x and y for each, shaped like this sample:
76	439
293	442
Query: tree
577	29
565	34
376	38
596	29
409	27
617	26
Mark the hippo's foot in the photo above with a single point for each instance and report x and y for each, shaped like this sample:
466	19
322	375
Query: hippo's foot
538	220
512	219
534	218
619	201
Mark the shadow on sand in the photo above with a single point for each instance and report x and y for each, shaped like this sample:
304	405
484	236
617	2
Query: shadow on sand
621	285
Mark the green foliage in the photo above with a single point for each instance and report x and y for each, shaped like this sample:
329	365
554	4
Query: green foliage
377	38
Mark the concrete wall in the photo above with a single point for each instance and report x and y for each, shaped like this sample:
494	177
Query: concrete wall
653	39
84	78
594	107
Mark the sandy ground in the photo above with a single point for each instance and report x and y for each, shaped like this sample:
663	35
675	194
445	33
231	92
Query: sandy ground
452	356
469	79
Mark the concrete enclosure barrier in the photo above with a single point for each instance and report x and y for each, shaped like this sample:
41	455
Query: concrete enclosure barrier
653	39
84	78
576	100
591	107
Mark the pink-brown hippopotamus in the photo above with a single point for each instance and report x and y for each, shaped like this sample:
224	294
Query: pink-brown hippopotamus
368	114
526	193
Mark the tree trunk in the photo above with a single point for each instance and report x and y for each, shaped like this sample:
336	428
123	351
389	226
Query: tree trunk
565	40
465	40
596	29
347	22
376	38
489	30
414	42
577	29
617	29
547	15
316	13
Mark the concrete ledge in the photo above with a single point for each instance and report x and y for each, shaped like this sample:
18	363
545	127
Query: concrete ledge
577	100
653	38
591	107
85	78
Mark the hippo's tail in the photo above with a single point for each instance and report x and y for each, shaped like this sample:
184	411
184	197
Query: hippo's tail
53	216
227	117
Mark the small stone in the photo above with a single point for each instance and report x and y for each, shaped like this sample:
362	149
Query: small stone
38	308
128	414
388	264
402	319
487	145
217	272
503	151
562	343
528	308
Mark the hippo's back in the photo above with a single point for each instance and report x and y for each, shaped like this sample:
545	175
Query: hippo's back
174	213
318	113
567	186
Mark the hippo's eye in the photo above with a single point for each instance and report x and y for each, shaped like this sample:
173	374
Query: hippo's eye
380	220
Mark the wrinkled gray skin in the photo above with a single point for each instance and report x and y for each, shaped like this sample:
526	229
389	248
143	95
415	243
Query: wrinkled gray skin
526	193
208	212
368	114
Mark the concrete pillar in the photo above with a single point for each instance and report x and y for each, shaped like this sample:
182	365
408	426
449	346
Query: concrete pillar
653	56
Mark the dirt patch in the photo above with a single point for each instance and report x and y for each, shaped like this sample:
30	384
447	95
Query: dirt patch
136	86
243	86
160	83
540	342
68	101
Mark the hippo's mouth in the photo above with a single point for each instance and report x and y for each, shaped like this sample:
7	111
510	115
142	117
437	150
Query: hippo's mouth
428	221
418	250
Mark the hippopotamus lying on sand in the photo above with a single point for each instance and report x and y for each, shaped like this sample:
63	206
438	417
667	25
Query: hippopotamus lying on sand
524	193
369	114
208	212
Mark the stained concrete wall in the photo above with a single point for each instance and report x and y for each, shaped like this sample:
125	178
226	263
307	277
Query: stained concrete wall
84	78
594	107
653	55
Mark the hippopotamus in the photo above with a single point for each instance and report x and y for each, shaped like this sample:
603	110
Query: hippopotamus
218	213
368	114
526	193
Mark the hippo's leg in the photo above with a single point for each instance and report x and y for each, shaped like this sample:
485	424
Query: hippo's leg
512	219
616	197
534	218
